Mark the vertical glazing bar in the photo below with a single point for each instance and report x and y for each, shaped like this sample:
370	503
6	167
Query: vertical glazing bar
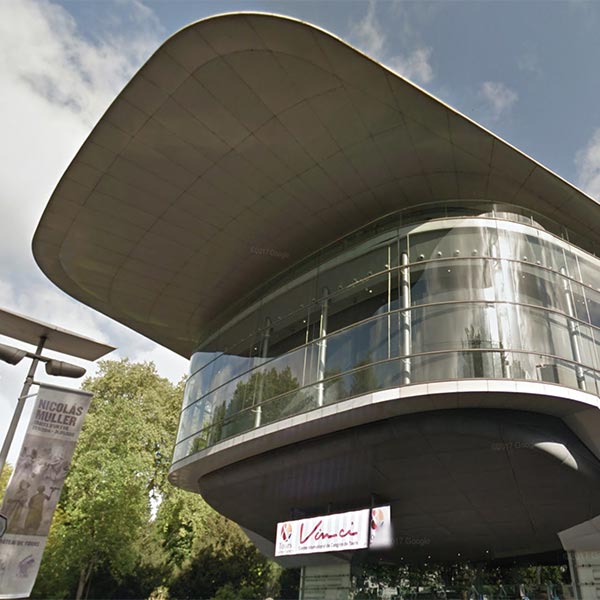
322	346
261	377
573	331
306	350
405	318
389	302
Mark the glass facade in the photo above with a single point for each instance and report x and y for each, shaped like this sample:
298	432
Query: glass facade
447	293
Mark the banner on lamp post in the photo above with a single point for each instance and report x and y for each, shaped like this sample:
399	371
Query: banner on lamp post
36	483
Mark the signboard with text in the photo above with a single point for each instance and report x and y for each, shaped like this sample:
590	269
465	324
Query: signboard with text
334	533
36	483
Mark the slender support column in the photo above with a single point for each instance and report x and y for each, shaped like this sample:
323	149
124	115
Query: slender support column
389	302
12	428
322	347
573	331
261	385
405	318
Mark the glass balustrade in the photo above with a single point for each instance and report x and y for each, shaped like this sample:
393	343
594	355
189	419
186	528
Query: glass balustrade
449	299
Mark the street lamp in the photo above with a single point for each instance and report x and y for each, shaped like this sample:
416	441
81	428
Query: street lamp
44	336
10	355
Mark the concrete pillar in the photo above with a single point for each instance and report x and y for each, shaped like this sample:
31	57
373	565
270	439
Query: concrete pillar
326	582
585	574
582	543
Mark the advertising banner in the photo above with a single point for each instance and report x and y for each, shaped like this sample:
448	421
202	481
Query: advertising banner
381	535
36	483
333	533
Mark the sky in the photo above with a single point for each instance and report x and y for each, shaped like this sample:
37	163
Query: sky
528	71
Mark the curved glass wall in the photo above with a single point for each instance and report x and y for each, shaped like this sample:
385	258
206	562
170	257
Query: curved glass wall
451	298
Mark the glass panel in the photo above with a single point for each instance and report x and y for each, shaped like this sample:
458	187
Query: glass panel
533	285
294	403
593	305
196	417
361	301
357	265
590	276
588	351
519	365
458	241
275	355
366	343
452	280
191	393
454	326
200	360
199	384
286	317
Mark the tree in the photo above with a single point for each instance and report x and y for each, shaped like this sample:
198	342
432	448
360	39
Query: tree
120	465
209	556
4	479
120	529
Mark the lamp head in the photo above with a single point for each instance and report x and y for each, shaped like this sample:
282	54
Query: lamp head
64	369
11	355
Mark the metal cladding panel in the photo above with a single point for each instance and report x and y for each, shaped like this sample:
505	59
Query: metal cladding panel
245	130
479	483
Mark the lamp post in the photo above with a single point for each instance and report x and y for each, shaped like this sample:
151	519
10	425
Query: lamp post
44	336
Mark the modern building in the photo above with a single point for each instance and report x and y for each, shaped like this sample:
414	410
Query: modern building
382	301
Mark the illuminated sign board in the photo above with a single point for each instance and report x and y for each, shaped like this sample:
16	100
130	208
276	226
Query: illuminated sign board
334	533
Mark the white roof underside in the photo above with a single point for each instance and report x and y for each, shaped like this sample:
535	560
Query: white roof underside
26	329
247	138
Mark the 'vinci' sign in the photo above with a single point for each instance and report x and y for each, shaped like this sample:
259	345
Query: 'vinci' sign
333	533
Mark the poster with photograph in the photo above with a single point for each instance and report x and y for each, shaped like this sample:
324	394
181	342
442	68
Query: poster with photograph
36	483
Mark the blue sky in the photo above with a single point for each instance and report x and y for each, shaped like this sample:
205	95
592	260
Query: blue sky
528	71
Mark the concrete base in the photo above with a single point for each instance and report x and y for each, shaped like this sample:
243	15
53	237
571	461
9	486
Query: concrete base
582	544
585	574
326	582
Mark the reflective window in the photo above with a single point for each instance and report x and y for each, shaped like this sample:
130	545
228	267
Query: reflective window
473	298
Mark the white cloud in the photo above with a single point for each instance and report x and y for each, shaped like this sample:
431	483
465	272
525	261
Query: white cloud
369	36
498	97
529	63
55	83
414	65
587	162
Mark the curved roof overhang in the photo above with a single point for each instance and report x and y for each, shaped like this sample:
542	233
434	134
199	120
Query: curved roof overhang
246	143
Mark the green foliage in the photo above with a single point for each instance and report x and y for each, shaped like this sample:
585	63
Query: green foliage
120	463
464	580
4	478
207	555
106	539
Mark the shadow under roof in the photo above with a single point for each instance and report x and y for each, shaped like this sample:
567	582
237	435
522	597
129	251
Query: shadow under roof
246	143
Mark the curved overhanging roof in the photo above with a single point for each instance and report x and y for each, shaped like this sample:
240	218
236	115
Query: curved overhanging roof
246	143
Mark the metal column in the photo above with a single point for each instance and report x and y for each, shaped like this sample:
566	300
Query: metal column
573	331
261	385
405	319
322	343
